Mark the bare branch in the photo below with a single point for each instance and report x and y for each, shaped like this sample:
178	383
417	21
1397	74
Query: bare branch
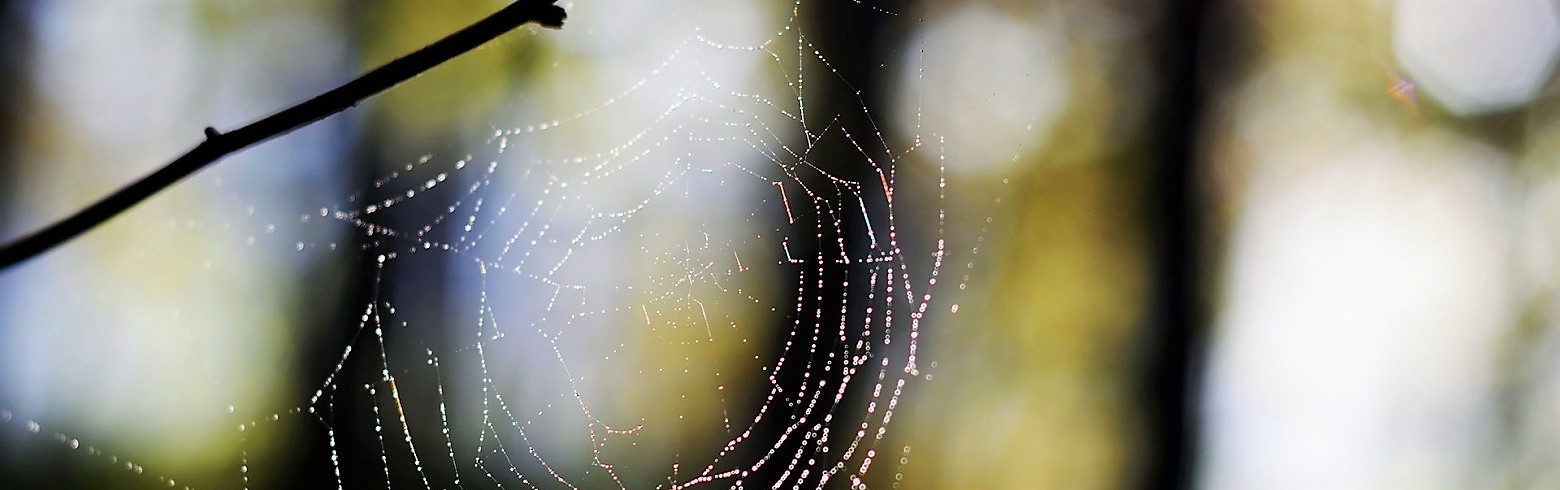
219	144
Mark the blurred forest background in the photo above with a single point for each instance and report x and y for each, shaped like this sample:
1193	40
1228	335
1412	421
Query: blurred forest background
1222	244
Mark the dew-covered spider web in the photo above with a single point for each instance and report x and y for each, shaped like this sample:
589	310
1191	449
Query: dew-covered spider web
713	266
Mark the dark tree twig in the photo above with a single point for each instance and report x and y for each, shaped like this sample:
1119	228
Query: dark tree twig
219	144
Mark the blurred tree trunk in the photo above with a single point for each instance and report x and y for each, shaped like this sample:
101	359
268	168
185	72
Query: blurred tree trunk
858	41
1192	35
15	54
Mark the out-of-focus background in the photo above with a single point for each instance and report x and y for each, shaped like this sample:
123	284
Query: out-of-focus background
1216	244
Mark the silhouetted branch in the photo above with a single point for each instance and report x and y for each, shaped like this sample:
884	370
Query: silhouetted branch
219	144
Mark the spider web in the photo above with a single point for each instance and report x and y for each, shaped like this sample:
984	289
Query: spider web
699	275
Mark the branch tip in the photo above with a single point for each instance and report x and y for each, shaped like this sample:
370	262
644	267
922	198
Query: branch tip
546	14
